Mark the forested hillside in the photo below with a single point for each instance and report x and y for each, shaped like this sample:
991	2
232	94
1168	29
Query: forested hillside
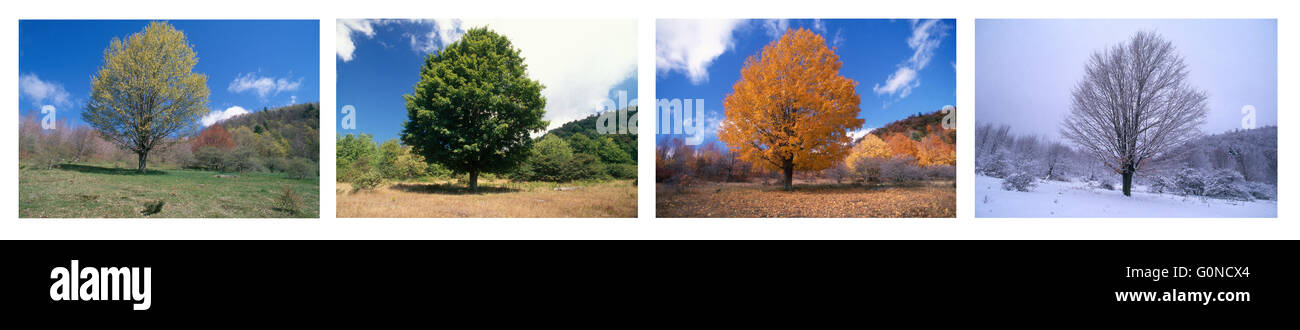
298	126
587	127
918	126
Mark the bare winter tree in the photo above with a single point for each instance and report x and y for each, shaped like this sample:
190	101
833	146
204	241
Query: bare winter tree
1054	158
1133	105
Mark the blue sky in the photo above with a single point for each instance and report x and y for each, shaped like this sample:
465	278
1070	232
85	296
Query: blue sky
1025	69
250	64
581	63
902	67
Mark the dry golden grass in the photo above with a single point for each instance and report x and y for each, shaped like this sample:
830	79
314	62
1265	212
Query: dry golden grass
496	199
809	199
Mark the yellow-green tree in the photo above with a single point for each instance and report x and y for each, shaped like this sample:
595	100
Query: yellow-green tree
865	158
871	146
146	92
791	109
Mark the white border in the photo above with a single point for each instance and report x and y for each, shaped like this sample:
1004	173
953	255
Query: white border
646	227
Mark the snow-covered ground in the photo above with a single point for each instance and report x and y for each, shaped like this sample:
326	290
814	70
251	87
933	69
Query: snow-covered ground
1077	199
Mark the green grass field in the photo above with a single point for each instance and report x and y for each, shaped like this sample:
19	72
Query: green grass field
97	191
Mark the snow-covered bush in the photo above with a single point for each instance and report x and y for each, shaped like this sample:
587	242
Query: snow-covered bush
1106	182
1262	191
1227	184
1221	183
1019	182
1160	185
1000	166
1188	181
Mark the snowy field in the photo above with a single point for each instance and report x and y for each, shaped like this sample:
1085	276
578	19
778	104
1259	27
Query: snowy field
1076	199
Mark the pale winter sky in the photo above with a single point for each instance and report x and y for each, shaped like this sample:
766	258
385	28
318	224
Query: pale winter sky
1025	69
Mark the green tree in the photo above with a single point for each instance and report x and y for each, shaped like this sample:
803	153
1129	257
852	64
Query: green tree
611	153
585	166
351	150
583	144
474	108
397	162
550	159
146	92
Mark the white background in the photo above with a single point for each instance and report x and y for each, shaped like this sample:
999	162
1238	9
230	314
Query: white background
965	226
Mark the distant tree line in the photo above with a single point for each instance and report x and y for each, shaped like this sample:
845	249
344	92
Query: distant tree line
917	149
1239	164
282	140
366	163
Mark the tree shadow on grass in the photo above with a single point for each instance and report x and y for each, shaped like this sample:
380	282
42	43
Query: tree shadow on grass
104	170
449	189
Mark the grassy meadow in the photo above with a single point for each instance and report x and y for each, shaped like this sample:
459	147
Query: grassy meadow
496	198
108	191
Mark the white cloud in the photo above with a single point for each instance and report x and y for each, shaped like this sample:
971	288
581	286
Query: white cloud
926	36
579	61
776	27
42	92
217	116
925	39
858	134
690	46
441	33
838	39
263	86
819	26
900	82
346	28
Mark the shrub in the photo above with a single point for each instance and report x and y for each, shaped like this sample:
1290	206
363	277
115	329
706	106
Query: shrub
1161	184
901	169
1107	183
301	168
1000	166
585	167
1262	191
1222	183
288	201
621	171
367	180
1019	182
838	173
437	171
210	158
868	168
523	172
1189	181
1227	184
550	160
256	164
946	172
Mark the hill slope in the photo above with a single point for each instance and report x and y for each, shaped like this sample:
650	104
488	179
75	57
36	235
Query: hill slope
299	124
587	126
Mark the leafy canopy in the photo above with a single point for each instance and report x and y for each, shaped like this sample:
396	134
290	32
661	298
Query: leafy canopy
146	91
474	107
791	106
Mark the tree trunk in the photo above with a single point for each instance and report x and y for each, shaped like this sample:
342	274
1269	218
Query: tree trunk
143	157
473	180
1128	180
788	169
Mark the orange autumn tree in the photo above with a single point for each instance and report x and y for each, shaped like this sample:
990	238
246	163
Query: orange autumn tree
900	145
934	151
791	109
